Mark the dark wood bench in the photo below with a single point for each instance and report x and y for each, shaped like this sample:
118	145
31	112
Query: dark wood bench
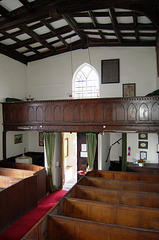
65	228
130	185
16	173
134	198
25	170
16	199
96	212
6	181
125	175
125	215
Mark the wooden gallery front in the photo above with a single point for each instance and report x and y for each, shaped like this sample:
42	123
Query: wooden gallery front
102	204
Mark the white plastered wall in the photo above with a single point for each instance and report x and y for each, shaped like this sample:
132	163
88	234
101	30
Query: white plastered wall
51	78
13	82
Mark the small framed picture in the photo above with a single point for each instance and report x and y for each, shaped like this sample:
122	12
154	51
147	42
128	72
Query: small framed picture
143	136
129	90
18	138
143	155
41	139
143	144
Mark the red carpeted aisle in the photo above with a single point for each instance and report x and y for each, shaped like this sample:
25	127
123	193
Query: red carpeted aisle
18	229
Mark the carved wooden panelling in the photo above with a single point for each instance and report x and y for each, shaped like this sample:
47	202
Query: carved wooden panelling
143	112
120	112
108	112
58	113
22	114
89	113
132	112
99	112
48	114
78	113
15	115
68	113
31	114
39	114
155	112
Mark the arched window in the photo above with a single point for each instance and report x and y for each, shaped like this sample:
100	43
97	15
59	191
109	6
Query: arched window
85	82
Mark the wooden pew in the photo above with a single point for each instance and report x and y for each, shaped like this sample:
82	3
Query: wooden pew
60	227
134	198
16	200
6	181
125	215
34	170
130	185
16	173
96	212
125	175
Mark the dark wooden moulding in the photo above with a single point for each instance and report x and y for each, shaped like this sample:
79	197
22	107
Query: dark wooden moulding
140	114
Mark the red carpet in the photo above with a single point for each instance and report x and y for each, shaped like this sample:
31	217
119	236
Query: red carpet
18	229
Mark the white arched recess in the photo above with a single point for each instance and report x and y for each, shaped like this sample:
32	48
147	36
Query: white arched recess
85	82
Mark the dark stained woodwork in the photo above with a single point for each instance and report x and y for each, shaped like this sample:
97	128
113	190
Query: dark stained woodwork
16	200
120	184
6	181
138	114
111	213
147	168
134	198
4	146
125	175
60	227
22	170
36	14
94	212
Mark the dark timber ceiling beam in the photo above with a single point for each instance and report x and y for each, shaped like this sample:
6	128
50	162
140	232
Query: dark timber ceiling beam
37	38
115	24
95	23
12	54
74	27
120	26
48	25
26	4
5	13
135	24
41	13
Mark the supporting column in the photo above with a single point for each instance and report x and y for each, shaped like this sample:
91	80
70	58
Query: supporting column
4	145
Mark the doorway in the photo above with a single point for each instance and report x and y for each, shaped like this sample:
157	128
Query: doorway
68	160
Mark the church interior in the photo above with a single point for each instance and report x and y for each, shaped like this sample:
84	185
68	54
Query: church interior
79	113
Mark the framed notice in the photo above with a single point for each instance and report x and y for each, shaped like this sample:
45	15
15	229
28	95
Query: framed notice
143	155
129	90
110	71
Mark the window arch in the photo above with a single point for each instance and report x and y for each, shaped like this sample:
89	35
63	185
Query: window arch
85	82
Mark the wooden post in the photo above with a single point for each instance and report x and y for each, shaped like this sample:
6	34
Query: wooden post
4	145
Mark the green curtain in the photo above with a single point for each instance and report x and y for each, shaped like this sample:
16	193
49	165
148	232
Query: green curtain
124	152
49	139
91	140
